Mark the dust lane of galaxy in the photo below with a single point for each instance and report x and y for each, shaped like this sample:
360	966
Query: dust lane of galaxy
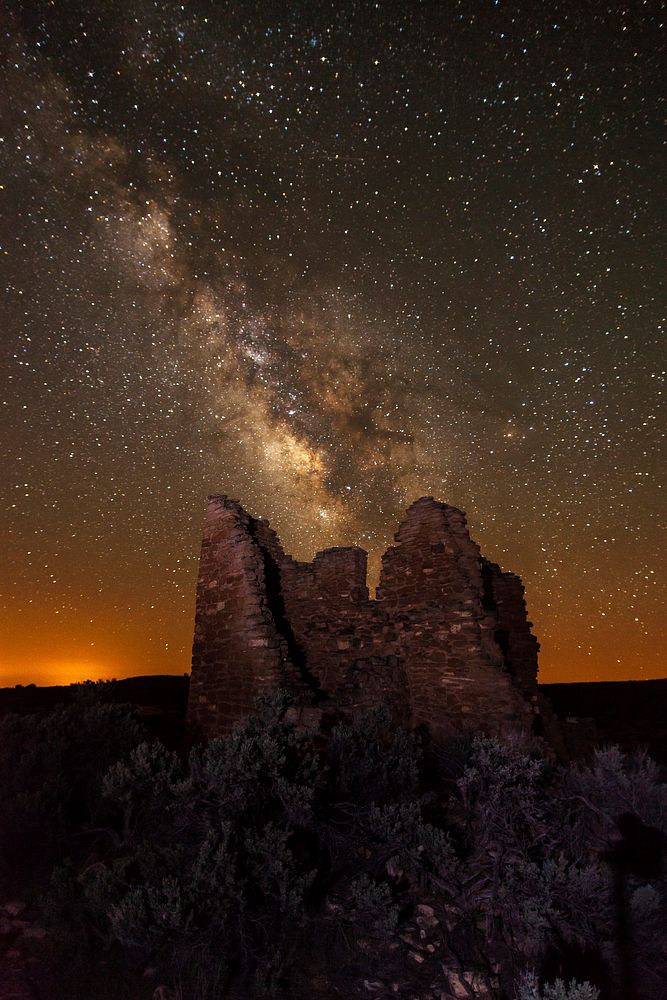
327	258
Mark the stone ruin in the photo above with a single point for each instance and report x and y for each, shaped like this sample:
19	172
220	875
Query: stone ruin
445	643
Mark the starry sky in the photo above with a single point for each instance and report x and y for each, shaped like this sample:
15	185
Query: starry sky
327	258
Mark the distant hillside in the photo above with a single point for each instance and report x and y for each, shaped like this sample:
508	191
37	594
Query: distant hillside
631	713
164	692
161	701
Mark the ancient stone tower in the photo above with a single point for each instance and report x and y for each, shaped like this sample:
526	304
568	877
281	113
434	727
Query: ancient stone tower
445	643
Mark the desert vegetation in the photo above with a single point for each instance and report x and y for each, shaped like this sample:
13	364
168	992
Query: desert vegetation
359	861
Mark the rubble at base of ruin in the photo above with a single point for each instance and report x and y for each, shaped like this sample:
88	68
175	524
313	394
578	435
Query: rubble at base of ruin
446	642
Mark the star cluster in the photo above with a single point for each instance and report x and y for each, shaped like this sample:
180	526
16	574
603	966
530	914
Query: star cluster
327	258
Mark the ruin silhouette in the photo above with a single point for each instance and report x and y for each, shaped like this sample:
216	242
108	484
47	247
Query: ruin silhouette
446	642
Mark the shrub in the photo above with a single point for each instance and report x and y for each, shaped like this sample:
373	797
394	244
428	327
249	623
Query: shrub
529	989
51	770
266	859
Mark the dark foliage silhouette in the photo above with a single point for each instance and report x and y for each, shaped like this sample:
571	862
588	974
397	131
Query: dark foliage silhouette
276	862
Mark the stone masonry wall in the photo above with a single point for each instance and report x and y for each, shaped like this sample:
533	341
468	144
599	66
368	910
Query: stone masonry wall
445	643
238	651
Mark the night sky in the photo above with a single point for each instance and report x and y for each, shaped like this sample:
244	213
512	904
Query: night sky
327	258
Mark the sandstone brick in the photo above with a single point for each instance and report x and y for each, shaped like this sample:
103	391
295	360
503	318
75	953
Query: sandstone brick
444	619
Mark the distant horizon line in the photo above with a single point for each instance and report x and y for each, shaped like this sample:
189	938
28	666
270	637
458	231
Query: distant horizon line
137	677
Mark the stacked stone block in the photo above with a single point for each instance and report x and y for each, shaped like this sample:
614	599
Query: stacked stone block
446	642
238	652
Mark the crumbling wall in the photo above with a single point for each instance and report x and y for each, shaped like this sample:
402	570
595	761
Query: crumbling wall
445	643
433	586
325	601
238	651
512	628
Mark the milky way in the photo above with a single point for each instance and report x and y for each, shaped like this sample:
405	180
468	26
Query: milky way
327	258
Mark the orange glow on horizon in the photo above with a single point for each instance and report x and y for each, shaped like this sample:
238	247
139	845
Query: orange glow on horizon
69	672
53	659
149	631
